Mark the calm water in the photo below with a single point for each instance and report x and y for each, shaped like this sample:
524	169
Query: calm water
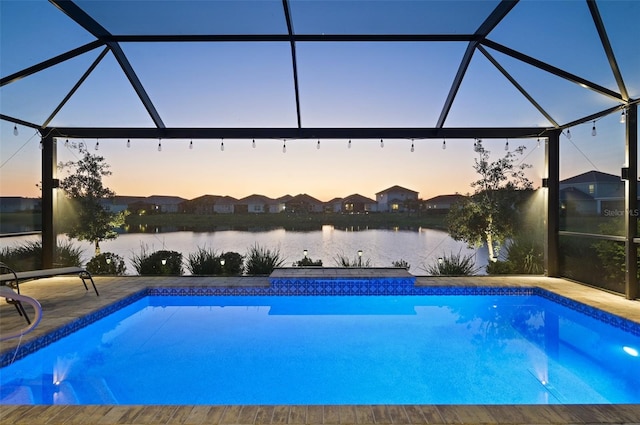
334	350
382	247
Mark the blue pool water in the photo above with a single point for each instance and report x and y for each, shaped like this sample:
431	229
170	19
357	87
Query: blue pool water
333	350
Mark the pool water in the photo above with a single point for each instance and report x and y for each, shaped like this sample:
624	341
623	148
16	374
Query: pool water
333	350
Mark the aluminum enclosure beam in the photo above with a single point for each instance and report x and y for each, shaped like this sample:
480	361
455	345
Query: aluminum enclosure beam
631	204
296	133
552	205
49	207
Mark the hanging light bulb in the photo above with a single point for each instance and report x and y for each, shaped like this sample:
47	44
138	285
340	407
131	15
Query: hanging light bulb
253	143
593	129
318	145
623	119
538	144
159	145
284	146
191	144
412	147
66	143
506	145
381	143
97	145
15	130
41	145
128	143
444	144
222	145
475	144
349	144
568	134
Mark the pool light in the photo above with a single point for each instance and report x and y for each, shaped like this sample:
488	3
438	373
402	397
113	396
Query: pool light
630	351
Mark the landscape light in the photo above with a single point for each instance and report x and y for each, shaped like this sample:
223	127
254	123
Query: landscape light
222	261
305	252
164	261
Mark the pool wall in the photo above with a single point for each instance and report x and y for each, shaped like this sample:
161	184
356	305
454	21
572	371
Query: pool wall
315	286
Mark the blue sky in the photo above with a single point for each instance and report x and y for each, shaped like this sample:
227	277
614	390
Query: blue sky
341	84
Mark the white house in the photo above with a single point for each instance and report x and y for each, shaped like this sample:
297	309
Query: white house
396	199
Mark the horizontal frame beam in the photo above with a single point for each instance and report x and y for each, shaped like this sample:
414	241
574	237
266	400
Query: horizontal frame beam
298	133
290	38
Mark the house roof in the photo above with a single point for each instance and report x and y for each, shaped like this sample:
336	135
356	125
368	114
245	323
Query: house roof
303	197
397	188
255	199
165	200
592	177
445	199
357	198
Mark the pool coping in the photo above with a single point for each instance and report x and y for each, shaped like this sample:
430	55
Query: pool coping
343	414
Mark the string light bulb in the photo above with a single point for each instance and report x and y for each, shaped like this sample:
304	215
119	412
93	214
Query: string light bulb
15	130
66	143
284	146
444	144
568	133
97	145
412	147
41	145
222	145
191	144
128	143
623	118
349	144
538	144
594	132
253	143
506	145
318	144
381	143
159	145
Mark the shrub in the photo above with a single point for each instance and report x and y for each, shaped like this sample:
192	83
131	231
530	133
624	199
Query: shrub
204	262
262	261
233	263
107	263
159	263
453	265
28	256
307	262
343	261
401	264
500	267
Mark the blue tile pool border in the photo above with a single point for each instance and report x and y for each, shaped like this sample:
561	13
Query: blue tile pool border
289	287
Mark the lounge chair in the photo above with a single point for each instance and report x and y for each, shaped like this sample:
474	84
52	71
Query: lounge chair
16	299
13	278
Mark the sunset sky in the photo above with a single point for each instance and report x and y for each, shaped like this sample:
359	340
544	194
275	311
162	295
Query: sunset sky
341	85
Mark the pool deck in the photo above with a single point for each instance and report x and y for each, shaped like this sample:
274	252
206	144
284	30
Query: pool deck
64	299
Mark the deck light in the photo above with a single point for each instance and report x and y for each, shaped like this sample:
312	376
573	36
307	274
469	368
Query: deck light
15	128
593	129
164	261
305	252
623	119
444	144
359	258
222	261
128	143
381	143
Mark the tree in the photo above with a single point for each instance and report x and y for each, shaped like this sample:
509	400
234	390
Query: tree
83	186
490	214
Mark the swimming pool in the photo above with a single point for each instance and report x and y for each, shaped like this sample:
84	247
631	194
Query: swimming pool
447	347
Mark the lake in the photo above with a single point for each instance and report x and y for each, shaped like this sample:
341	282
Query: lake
381	247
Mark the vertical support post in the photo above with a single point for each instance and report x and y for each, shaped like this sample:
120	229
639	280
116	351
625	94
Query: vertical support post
49	183
631	204
552	204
